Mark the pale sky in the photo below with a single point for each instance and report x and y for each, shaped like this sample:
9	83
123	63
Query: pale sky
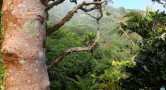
134	4
137	4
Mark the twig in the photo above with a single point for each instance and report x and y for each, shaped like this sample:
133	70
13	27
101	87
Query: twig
70	15
55	3
127	37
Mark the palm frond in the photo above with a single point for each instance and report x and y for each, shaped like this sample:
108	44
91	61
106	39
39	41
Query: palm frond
79	78
59	80
80	83
124	27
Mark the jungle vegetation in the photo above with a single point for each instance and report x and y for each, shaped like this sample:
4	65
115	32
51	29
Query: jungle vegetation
130	54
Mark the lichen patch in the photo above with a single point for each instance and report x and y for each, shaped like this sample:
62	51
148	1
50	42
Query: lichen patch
21	61
41	55
31	28
26	45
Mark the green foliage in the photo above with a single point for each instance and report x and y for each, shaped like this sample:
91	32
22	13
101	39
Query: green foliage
98	54
125	28
143	25
57	80
110	78
2	67
58	42
78	63
89	38
118	44
117	53
96	86
122	10
89	66
103	64
150	69
148	10
80	84
49	26
2	27
80	31
107	53
3	74
137	23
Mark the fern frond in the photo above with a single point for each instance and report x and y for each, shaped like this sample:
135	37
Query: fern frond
95	87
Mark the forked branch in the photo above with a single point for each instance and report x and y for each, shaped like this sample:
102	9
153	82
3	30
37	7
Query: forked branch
159	1
71	13
68	17
75	49
78	49
55	3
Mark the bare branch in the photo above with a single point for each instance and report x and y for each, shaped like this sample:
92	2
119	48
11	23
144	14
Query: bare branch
101	14
70	15
154	25
91	16
53	4
76	49
88	10
75	1
161	3
133	62
131	43
163	35
127	37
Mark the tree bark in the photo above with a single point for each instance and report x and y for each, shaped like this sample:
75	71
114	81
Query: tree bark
22	48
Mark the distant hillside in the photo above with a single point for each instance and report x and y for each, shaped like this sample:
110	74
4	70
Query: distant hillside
82	23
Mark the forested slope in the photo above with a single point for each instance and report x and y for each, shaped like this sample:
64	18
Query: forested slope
130	54
90	66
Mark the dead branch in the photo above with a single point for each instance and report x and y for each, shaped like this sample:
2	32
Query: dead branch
133	59
88	10
131	43
163	35
71	13
78	49
127	37
154	25
161	3
55	3
75	1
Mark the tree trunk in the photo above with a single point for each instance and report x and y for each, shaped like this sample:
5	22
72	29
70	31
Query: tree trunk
22	48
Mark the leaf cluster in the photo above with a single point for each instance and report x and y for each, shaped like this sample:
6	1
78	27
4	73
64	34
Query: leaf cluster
150	69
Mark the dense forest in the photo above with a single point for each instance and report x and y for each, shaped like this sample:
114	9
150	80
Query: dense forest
103	67
130	54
